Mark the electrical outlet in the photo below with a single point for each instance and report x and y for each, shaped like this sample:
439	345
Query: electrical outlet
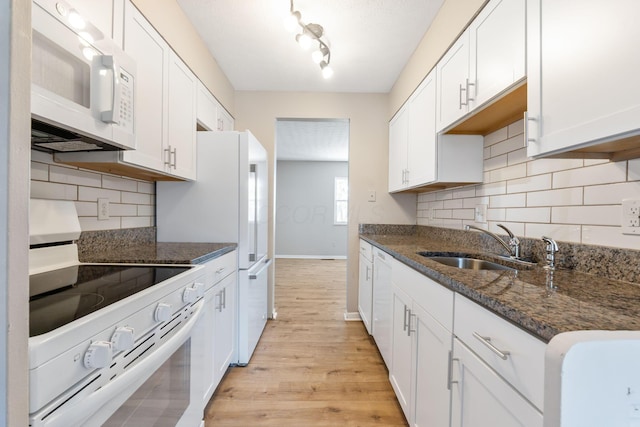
103	209
631	216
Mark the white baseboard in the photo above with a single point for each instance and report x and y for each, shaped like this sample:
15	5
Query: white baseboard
312	256
352	316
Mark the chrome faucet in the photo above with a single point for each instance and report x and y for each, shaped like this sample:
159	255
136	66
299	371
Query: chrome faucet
551	249
513	247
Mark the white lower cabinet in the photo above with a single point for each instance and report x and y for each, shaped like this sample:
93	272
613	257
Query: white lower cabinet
220	317
498	370
365	284
481	398
421	346
382	299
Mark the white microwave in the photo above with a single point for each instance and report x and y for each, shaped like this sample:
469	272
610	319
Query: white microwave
82	84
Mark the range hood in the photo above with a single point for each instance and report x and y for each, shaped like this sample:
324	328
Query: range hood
49	138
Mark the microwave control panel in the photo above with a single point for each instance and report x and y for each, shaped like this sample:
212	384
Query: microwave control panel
126	116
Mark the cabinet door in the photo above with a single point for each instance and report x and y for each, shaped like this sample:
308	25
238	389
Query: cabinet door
225	121
206	108
99	13
382	303
481	398
224	325
365	289
421	151
398	134
401	354
181	118
430	398
142	42
581	74
497	43
453	83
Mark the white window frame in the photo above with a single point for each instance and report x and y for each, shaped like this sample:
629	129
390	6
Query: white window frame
337	201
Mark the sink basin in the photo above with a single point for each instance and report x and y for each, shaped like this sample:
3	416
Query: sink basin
468	263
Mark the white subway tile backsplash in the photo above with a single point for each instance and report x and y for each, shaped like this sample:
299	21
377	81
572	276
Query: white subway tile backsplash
516	128
558	232
518	156
73	176
508	201
572	200
507	146
591	175
491	189
132	202
453	204
562	197
117	183
528	214
540	166
611	194
136	198
39	171
634	170
609	236
516	227
510	172
91	194
495	137
587	215
530	183
52	190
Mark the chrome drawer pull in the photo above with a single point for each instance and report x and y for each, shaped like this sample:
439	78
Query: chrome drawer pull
487	341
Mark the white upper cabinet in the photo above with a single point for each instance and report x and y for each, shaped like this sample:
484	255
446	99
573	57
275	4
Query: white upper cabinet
497	46
151	52
211	115
418	156
180	152
398	134
486	60
583	64
453	83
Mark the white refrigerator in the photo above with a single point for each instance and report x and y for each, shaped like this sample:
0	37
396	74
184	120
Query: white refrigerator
228	203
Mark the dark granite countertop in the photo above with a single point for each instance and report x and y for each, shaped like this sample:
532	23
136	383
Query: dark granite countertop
157	253
576	301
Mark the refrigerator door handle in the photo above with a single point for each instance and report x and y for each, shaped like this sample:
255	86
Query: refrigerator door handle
267	263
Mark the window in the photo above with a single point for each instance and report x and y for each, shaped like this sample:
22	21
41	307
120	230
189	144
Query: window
341	201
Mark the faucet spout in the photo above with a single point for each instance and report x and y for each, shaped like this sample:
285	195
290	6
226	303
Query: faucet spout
513	247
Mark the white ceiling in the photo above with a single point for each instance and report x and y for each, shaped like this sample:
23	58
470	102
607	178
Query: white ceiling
370	42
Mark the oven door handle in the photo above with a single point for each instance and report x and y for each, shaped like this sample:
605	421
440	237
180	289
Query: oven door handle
129	380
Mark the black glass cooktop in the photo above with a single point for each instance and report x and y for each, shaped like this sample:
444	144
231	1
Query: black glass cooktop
61	296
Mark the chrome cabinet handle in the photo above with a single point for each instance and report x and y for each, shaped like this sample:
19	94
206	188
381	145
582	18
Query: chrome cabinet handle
367	274
224	298
450	370
175	158
167	162
404	326
467	84
409	330
460	90
527	120
487	342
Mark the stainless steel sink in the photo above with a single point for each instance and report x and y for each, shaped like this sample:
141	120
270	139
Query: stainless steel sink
468	263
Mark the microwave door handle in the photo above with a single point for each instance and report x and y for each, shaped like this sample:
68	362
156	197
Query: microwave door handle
111	116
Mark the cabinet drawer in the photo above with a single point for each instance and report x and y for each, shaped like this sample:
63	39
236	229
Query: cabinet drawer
433	297
522	367
366	250
222	266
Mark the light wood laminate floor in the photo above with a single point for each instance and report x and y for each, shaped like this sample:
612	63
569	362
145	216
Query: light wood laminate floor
311	367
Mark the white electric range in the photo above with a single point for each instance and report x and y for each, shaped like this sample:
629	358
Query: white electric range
110	344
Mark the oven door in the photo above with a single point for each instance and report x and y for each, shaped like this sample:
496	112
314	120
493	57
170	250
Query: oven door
164	389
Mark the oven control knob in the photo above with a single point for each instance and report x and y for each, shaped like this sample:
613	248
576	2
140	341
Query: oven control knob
122	339
163	312
98	355
199	287
190	295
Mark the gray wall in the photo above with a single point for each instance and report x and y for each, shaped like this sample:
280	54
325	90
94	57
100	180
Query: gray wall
304	210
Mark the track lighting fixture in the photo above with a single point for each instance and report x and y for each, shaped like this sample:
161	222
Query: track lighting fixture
310	33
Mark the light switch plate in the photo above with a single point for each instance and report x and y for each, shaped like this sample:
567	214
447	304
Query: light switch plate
103	209
481	214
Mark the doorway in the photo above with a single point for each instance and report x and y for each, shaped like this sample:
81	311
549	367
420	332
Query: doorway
311	188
